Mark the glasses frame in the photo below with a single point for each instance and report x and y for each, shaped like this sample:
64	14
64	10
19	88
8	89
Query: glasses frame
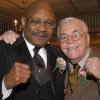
65	38
37	23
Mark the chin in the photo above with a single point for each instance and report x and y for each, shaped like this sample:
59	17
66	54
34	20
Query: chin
73	57
41	45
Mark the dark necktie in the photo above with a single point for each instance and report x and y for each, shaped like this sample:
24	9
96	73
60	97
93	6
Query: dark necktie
73	78
37	58
39	69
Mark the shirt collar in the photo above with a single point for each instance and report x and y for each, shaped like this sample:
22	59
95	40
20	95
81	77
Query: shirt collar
42	51
82	62
29	45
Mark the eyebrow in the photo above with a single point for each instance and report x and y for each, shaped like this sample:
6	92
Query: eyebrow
63	34
76	30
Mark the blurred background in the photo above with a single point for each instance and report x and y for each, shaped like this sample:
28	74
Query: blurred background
89	10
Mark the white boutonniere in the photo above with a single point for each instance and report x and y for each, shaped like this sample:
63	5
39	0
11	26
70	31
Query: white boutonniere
60	64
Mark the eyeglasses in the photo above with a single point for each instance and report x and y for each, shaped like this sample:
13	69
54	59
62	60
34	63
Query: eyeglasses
38	22
74	37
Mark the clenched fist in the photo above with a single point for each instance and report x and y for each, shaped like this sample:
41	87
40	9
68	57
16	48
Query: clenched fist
9	36
93	66
19	73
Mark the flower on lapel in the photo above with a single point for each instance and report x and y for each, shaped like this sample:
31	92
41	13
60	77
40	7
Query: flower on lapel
60	64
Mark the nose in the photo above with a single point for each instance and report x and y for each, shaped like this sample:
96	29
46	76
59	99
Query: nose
42	27
69	39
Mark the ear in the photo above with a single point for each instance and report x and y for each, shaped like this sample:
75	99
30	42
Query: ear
88	39
23	22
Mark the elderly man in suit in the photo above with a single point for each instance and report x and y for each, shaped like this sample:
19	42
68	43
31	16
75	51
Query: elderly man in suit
92	66
23	76
80	83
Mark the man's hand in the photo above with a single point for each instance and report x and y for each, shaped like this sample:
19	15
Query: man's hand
9	36
19	73
93	66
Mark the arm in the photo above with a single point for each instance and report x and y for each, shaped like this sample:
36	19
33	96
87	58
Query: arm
19	73
9	36
6	93
93	66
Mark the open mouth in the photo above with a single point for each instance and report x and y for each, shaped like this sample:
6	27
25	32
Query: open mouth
72	48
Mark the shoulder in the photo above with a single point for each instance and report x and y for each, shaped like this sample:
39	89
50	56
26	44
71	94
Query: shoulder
6	49
95	51
3	46
55	51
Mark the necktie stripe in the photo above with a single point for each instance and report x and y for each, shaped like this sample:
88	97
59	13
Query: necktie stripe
73	78
39	70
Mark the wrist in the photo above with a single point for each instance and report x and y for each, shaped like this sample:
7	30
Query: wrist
8	83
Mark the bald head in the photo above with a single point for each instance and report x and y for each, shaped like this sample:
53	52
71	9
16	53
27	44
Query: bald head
39	5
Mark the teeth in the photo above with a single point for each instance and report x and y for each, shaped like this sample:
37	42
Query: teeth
42	35
72	48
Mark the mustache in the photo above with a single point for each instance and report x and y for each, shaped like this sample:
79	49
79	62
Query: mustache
40	34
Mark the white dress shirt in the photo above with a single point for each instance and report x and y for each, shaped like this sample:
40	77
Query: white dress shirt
42	52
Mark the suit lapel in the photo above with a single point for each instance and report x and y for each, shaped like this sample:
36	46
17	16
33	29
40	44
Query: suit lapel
82	87
51	59
22	52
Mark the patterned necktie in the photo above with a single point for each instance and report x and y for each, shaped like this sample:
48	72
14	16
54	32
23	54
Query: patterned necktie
74	77
37	58
39	70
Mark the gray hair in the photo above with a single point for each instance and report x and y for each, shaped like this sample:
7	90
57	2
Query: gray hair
71	19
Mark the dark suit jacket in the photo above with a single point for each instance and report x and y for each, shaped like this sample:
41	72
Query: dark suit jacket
87	90
31	90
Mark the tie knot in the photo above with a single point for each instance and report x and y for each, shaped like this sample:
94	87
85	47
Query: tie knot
36	49
76	67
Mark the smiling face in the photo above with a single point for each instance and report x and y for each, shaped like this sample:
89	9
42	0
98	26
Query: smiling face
74	40
39	25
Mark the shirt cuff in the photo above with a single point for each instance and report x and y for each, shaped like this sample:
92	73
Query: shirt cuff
6	93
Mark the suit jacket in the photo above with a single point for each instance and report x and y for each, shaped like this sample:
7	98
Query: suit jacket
87	90
32	89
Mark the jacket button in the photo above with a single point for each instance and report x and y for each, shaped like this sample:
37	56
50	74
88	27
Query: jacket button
37	92
41	99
